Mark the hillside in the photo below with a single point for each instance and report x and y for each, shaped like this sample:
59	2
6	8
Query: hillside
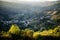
27	21
28	16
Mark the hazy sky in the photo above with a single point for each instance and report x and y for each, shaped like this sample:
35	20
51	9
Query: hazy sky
27	0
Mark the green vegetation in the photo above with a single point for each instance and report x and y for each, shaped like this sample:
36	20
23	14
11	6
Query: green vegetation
15	31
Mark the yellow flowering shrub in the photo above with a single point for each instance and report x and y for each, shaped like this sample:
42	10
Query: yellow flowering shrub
51	32
14	29
28	32
36	34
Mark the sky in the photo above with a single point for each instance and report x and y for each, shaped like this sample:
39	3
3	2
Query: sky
27	0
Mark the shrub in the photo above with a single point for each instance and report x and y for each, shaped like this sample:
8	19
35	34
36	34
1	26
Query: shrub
14	29
27	32
5	34
36	35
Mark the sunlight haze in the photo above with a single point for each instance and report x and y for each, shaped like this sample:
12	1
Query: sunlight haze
28	0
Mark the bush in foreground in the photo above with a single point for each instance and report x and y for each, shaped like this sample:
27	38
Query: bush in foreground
16	34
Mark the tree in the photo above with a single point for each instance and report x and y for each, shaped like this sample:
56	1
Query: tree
14	29
27	32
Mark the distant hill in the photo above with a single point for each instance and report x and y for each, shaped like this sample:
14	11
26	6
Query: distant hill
28	16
